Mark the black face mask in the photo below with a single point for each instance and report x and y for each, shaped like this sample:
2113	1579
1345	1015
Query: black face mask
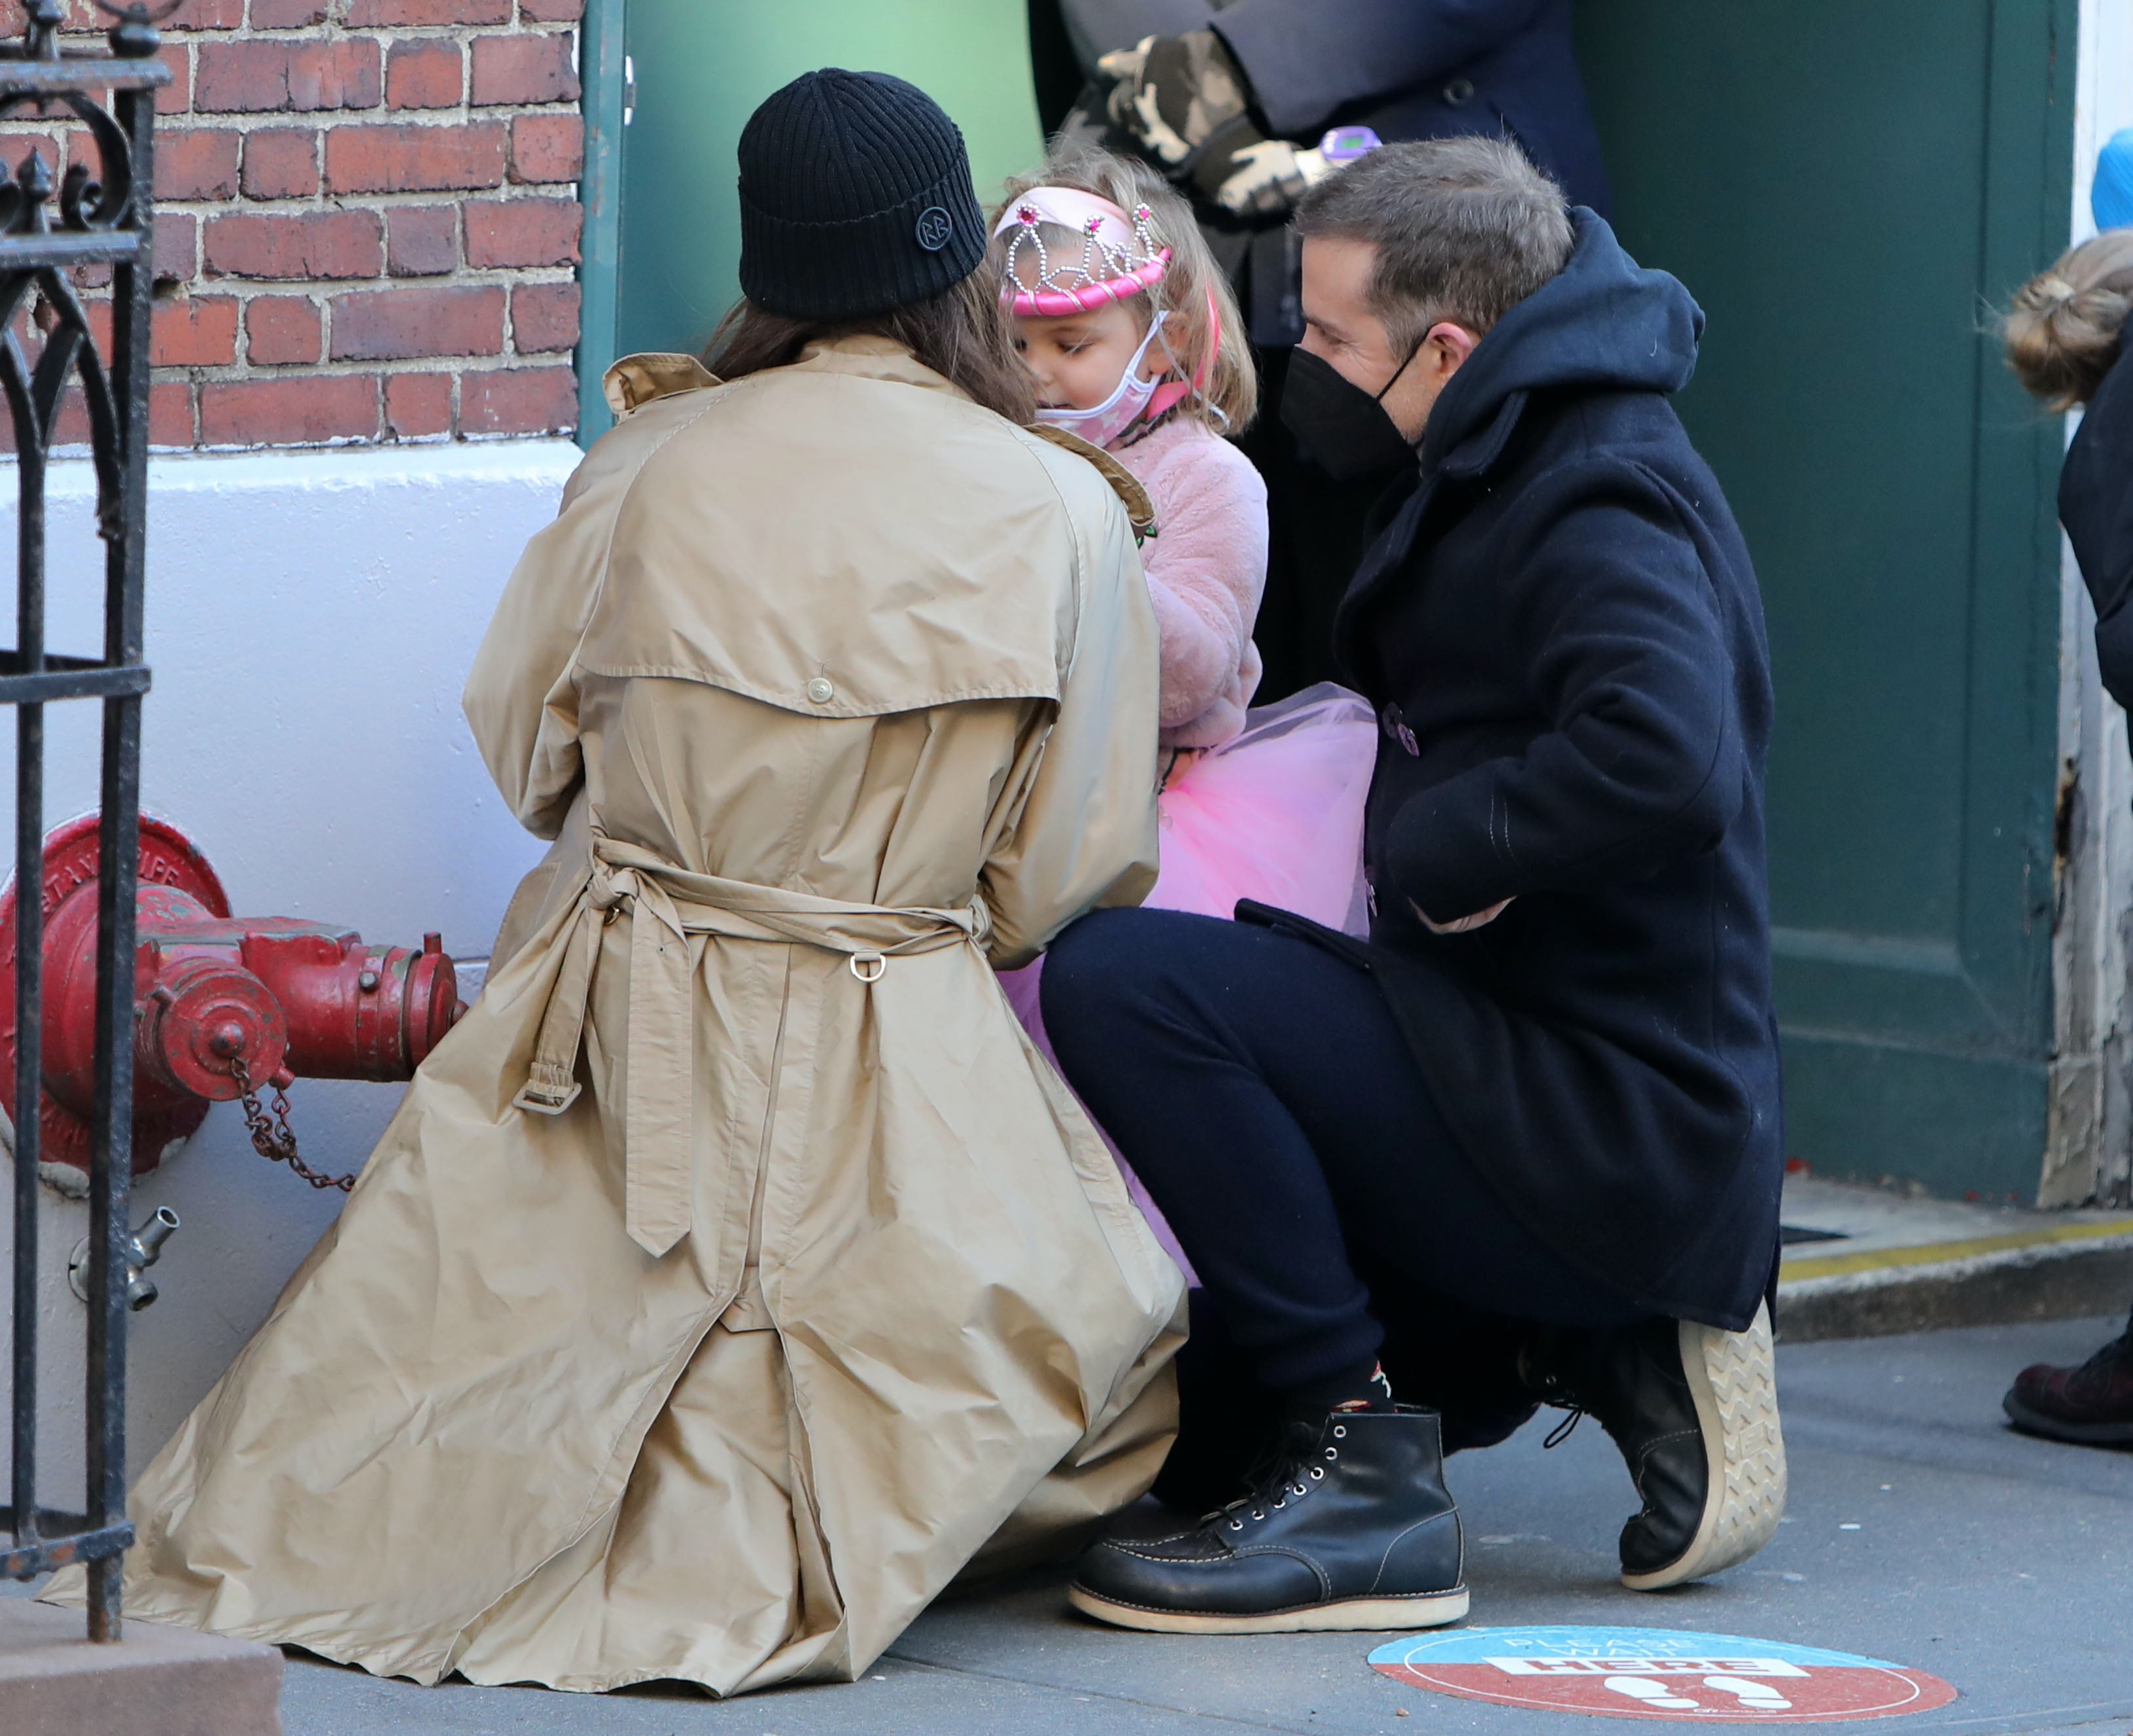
1342	428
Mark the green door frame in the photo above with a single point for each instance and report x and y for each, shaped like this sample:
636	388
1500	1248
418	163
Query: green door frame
602	79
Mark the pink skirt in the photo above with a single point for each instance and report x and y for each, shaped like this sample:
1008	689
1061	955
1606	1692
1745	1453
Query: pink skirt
1275	815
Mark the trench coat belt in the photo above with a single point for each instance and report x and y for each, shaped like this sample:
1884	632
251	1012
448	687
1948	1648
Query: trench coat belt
666	904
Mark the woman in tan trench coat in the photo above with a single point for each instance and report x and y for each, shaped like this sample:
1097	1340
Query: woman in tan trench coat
734	1270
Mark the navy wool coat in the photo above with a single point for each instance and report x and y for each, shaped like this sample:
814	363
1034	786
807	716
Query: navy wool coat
1561	626
2095	506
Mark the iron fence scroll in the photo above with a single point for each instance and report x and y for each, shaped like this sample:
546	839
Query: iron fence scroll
99	215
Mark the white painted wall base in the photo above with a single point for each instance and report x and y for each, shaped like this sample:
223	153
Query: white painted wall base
312	617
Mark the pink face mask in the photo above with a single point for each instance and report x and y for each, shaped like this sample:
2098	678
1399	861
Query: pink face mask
1129	401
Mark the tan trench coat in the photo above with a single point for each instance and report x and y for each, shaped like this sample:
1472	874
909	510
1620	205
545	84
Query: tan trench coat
734	1270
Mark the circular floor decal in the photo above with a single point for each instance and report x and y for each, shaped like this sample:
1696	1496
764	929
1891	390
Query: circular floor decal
1649	1672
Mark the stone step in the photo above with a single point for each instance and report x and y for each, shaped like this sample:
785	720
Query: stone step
1884	1262
156	1681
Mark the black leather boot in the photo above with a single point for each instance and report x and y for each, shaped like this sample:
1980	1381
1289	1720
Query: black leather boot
1349	1527
1694	1410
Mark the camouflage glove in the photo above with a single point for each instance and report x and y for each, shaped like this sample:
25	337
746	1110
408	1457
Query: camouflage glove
1265	178
1174	94
1181	100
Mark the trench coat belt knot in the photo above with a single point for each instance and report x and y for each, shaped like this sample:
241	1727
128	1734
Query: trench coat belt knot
665	905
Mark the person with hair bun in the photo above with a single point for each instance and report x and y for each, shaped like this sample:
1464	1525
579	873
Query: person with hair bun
2062	333
2065	337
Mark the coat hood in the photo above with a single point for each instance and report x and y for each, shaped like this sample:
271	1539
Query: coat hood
1603	323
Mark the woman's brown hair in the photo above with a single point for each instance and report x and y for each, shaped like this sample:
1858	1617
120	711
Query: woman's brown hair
2066	326
961	334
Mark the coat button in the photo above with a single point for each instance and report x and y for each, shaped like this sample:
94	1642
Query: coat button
820	691
1459	93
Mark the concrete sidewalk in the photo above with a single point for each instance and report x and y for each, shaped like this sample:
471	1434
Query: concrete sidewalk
1921	1531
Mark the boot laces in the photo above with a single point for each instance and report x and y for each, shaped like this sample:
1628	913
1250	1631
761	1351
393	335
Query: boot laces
1548	1385
1288	1473
1568	1426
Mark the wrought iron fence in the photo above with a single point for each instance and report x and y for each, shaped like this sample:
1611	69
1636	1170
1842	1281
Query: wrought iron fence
102	215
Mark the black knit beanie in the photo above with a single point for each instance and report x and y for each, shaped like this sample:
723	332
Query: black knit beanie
855	197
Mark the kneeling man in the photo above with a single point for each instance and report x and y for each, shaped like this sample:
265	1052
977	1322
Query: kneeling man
1539	1108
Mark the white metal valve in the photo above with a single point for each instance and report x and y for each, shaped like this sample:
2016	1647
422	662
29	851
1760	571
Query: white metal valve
143	1248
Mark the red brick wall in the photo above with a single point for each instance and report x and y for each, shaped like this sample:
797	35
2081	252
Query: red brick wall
367	219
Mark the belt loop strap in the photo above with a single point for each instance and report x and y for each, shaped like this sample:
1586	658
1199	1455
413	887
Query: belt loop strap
552	1082
659	1132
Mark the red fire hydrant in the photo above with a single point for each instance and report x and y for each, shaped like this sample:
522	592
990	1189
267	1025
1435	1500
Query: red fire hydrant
223	1005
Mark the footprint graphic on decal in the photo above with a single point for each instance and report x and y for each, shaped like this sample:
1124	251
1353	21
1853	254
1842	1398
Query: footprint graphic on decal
1653	1693
1757	1696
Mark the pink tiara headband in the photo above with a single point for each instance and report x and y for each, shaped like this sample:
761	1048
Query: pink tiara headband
1118	257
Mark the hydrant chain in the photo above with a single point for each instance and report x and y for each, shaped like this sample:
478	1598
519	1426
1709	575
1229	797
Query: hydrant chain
278	1145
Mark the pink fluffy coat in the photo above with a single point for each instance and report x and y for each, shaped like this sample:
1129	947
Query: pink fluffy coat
1277	816
1207	568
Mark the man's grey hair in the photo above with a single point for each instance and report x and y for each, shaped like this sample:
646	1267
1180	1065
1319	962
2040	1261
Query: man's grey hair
1465	229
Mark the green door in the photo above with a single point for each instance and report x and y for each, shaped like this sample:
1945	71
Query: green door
696	70
1847	189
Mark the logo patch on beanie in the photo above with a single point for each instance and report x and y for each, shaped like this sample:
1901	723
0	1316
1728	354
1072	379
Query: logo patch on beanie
935	228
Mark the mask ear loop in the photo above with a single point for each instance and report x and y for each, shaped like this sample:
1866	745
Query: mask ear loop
1380	398
1169	396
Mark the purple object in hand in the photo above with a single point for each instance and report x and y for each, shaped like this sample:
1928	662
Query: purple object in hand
1345	144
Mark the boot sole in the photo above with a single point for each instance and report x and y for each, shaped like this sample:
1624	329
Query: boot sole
1733	1377
1432	1610
2051	1428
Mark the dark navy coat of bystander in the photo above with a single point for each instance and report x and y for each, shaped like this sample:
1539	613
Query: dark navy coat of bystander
1406	69
2095	506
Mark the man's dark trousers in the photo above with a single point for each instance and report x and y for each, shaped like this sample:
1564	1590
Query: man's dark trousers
1267	1098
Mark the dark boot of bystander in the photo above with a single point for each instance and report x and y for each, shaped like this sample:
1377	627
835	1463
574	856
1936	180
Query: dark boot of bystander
2091	1404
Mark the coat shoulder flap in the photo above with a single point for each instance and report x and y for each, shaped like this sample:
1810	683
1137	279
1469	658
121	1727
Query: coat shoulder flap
847	546
638	380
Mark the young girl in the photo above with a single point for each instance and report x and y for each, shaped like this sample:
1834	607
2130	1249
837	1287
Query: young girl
1129	332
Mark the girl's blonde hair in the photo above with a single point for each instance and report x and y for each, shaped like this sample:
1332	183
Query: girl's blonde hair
1232	387
2065	325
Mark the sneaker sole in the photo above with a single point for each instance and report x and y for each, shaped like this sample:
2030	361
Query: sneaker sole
2078	1434
1733	1376
1349	1614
